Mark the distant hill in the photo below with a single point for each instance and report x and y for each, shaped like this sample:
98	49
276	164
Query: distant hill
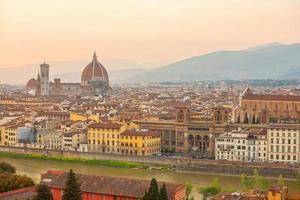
270	61
275	60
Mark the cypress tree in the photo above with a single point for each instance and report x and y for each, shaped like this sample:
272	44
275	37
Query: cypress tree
43	192
153	191
72	191
163	193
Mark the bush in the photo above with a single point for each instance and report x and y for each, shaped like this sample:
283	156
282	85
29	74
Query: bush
10	182
7	168
214	189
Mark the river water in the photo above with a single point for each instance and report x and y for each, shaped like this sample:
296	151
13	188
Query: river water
34	168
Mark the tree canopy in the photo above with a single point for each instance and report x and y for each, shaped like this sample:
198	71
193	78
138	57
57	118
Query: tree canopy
72	191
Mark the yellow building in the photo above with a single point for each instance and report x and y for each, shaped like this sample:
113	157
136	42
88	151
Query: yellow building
83	117
140	142
9	133
281	193
105	137
2	135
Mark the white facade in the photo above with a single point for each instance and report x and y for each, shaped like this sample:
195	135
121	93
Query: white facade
284	143
239	145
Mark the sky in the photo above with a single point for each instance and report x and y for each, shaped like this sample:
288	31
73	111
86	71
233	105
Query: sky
144	31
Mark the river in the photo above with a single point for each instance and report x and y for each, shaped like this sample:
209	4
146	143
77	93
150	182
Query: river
34	168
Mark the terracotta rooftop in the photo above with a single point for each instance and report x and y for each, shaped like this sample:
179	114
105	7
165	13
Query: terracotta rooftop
105	125
271	97
107	185
139	133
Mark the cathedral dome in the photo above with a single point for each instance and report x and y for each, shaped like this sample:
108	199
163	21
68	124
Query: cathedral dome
32	84
94	71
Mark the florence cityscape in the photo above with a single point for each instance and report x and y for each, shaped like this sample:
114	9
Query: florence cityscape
149	100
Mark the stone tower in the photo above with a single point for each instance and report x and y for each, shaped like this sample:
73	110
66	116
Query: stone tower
38	87
44	73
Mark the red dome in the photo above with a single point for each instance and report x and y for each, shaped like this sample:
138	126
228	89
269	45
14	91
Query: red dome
32	83
94	71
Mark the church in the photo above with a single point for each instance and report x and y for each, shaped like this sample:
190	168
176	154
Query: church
94	81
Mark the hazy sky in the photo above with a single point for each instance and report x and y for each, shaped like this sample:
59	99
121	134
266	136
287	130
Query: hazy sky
145	31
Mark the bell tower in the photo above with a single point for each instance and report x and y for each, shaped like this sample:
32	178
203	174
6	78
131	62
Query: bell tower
44	73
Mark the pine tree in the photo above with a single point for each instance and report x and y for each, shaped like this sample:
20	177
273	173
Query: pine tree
43	192
153	191
72	191
246	120
163	193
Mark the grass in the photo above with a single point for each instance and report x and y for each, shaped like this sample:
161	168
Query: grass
72	159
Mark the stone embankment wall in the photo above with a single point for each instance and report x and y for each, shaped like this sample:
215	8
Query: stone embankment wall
180	164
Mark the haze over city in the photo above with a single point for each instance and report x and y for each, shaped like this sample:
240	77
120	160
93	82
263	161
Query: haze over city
149	100
149	32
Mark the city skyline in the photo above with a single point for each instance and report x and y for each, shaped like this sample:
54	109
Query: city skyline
144	31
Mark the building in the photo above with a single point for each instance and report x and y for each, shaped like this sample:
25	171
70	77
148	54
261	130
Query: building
72	140
108	188
267	108
44	81
105	137
284	143
140	142
94	81
189	133
241	145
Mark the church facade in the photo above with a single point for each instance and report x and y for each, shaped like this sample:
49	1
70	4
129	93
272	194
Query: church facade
94	81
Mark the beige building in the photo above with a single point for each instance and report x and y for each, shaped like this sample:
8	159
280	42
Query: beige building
284	143
267	108
241	145
72	140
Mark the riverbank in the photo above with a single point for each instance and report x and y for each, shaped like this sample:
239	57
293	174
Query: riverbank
71	159
145	162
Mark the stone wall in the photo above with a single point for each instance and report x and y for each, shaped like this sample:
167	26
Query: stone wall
181	164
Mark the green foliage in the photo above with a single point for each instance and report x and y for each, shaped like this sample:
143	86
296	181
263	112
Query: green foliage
43	192
246	120
280	181
189	188
214	189
163	193
7	168
247	182
10	182
154	193
261	182
298	179
72	191
72	159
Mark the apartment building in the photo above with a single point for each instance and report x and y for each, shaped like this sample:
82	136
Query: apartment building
241	145
105	137
140	142
284	143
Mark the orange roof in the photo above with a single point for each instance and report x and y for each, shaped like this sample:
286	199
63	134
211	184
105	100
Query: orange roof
271	97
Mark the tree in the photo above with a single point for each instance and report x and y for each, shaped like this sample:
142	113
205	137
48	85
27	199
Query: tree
280	181
298	179
153	190
260	181
72	191
246	182
246	120
7	168
214	189
253	119
163	193
189	189
154	194
10	182
43	192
